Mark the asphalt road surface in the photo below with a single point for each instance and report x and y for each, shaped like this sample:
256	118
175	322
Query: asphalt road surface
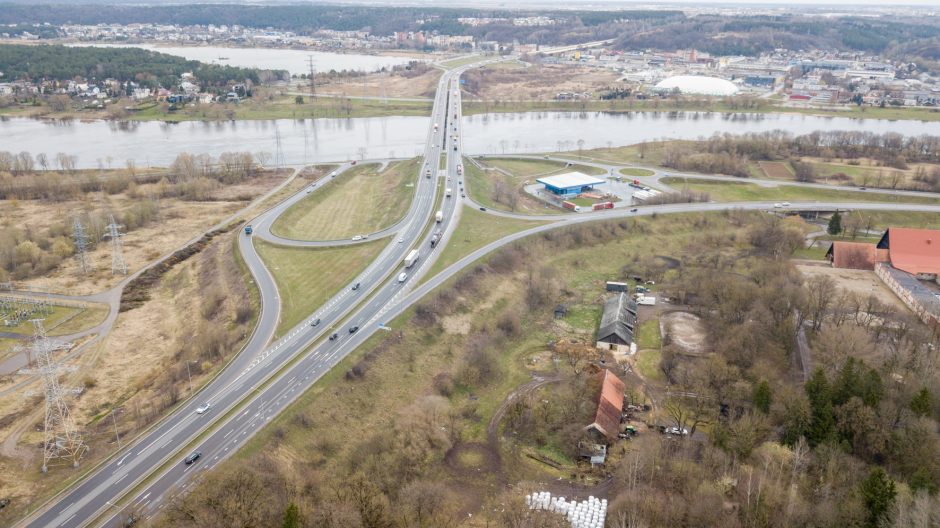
261	382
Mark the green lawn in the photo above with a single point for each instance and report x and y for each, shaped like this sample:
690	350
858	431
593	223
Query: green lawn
723	191
475	230
817	252
633	171
460	61
480	185
64	320
307	277
648	335
528	168
359	202
647	364
584	316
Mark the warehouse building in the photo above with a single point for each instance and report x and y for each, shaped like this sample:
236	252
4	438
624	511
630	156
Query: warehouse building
569	184
606	424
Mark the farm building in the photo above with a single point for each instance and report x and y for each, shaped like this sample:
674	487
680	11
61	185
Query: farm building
915	251
606	425
855	255
569	183
617	324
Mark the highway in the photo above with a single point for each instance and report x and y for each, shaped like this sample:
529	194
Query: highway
154	461
262	380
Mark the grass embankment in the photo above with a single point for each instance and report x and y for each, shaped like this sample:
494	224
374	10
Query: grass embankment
287	108
307	277
527	168
724	191
475	230
461	61
362	201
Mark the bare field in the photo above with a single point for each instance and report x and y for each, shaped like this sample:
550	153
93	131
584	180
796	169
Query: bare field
536	82
776	170
858	281
384	85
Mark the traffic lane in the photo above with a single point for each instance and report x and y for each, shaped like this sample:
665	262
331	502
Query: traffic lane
164	444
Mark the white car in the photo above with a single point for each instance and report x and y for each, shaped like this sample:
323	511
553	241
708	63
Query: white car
402	276
677	431
203	408
357	238
778	205
785	204
401	240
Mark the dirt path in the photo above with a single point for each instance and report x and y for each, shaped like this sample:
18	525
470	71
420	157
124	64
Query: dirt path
492	429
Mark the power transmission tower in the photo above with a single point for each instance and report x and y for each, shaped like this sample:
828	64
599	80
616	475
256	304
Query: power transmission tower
313	85
60	438
117	247
278	151
81	244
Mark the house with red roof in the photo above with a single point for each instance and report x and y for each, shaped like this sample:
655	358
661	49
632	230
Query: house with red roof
915	251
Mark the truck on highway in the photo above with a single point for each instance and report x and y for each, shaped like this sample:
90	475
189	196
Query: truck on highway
460	169
439	216
435	127
447	192
411	258
436	237
248	229
427	173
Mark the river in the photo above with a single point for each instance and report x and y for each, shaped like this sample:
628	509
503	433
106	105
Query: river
294	61
153	143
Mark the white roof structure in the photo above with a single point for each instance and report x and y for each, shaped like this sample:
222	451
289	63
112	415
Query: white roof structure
697	84
570	179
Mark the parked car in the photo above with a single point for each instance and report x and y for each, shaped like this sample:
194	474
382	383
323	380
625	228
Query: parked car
192	458
634	210
316	322
353	329
483	208
203	408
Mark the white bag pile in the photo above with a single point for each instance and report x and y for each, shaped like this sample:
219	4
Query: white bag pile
590	513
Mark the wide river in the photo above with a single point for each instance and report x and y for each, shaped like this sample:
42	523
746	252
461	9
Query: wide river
154	143
294	61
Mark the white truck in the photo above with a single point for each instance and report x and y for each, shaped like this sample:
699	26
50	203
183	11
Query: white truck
447	192
646	301
439	216
460	169
411	258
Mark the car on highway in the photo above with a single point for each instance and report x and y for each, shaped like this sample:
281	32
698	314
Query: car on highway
334	336
353	329
634	210
353	162
355	286
778	205
203	408
192	458
401	240
357	238
483	208
402	277
462	195
785	204
315	322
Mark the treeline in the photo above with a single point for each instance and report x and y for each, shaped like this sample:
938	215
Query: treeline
730	154
145	67
307	19
752	35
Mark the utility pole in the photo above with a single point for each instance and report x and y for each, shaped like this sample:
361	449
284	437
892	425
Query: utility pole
190	376
116	435
117	247
311	64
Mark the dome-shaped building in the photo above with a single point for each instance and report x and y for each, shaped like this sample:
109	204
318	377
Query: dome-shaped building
697	85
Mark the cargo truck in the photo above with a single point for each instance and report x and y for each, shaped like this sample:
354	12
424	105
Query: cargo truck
460	169
447	192
439	216
436	237
411	258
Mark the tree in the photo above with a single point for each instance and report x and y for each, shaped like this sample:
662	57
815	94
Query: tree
835	224
291	517
762	397
878	495
922	403
822	424
299	100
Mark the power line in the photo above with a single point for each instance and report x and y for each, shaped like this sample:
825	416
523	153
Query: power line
81	244
117	247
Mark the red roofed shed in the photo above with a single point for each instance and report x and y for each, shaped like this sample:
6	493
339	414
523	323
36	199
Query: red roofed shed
609	407
916	251
855	255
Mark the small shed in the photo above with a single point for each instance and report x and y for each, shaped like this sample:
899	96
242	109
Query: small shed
617	286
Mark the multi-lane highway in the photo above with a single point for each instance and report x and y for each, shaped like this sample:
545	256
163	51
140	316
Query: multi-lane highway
153	465
263	380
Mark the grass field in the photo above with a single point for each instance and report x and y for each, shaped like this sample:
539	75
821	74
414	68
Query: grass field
307	277
460	61
776	170
475	230
480	185
634	171
64	320
723	191
527	168
359	202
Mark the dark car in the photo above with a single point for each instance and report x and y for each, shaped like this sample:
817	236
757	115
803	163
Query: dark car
633	210
192	458
316	322
483	208
334	337
353	329
356	287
